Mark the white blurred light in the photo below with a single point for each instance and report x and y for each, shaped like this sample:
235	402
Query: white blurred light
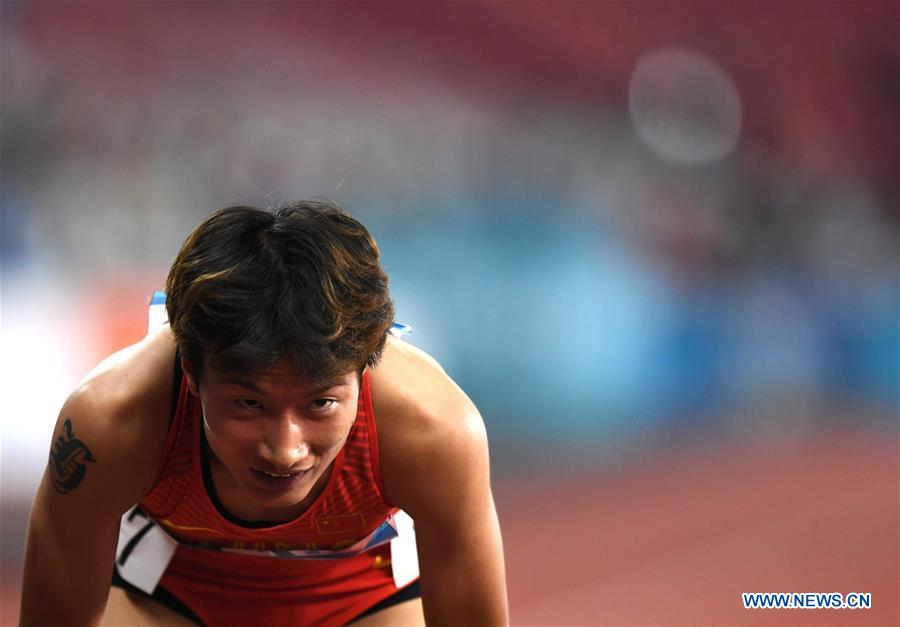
685	106
35	378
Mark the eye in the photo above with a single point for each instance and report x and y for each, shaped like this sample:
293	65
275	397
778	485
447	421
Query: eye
247	403
324	403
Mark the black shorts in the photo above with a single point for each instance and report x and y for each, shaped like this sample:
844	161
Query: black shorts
164	597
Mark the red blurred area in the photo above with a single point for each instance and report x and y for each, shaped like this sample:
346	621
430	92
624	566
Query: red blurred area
676	539
817	80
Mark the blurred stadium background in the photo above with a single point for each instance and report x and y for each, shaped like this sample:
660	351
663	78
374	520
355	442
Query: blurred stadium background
655	242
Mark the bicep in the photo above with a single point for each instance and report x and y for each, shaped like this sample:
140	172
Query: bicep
68	562
458	534
73	527
461	564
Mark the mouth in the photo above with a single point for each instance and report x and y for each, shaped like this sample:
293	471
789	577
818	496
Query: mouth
278	481
277	474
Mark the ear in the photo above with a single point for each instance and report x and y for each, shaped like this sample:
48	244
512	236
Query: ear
189	376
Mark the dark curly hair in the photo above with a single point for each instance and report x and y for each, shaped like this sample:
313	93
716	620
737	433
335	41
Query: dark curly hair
250	287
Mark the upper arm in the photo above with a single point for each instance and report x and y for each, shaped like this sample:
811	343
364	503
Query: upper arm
435	466
457	531
99	464
73	526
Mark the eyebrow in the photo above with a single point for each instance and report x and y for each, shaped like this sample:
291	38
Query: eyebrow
248	384
327	385
244	383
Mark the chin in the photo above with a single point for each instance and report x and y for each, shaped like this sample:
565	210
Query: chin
278	496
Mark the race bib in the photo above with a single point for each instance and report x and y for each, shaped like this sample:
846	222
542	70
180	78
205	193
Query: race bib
144	550
404	559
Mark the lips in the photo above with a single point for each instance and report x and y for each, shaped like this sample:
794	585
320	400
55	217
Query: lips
277	480
277	474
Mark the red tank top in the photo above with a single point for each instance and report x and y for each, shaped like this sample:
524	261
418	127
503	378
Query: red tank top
241	581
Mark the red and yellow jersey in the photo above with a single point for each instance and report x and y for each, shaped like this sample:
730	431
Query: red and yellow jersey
350	516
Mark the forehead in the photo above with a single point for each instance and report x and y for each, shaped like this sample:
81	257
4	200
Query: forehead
284	372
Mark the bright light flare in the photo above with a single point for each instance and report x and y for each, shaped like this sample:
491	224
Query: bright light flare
684	106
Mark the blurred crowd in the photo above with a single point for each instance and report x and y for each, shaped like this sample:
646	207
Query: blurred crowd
580	286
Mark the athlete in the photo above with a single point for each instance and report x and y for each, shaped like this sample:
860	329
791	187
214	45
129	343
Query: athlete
271	456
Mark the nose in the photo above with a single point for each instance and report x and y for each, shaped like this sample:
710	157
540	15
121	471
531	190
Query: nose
283	445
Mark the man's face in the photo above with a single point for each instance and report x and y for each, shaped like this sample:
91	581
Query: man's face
273	434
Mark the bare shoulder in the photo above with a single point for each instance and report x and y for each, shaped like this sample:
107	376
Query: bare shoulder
415	399
426	424
116	420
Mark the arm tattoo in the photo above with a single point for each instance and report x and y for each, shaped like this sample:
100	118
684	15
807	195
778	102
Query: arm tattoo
67	460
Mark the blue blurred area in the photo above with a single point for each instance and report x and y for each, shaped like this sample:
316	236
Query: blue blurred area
546	319
559	330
